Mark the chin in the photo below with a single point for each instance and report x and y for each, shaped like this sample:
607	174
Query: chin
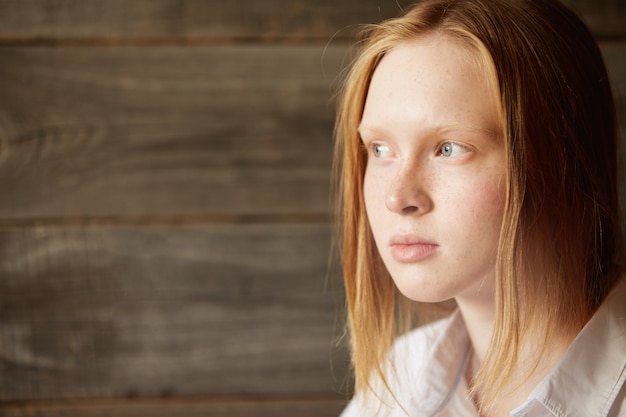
422	295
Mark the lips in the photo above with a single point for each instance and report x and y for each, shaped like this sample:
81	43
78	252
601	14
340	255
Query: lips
411	249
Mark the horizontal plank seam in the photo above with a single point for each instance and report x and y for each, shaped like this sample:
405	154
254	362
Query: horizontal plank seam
208	400
130	41
166	41
167	219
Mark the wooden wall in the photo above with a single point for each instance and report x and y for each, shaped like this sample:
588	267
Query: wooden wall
164	227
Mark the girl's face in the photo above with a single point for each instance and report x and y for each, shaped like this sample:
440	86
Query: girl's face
435	179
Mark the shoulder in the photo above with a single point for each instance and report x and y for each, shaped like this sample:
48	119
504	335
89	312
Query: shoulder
424	336
419	344
590	378
407	371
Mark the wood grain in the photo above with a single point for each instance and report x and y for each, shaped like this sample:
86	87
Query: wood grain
101	312
171	20
605	18
164	169
167	21
184	407
136	131
615	58
175	131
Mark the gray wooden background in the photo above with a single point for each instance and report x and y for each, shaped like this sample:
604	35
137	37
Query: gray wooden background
164	215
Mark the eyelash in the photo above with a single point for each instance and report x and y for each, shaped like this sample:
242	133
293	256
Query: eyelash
452	149
376	152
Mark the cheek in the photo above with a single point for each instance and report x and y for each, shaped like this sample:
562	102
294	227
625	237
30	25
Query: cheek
493	192
373	189
476	205
487	204
374	194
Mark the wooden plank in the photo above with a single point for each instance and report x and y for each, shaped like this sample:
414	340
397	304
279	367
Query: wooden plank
168	131
605	18
103	312
615	58
180	407
169	20
130	131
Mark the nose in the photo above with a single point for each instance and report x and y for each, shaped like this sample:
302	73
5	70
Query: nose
407	193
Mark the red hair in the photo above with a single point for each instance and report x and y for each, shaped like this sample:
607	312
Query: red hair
561	235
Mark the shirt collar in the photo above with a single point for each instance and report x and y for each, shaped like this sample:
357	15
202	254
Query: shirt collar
449	354
590	375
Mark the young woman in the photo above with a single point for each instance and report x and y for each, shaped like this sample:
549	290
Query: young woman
477	161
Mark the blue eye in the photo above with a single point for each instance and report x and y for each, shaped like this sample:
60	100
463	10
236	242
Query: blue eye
449	149
380	150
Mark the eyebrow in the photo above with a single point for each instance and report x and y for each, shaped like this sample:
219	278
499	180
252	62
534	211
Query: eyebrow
493	132
443	129
368	129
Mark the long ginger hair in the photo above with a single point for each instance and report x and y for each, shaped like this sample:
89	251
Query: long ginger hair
560	238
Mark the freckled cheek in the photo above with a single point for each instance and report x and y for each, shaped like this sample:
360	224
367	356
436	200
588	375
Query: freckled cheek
369	197
488	205
477	204
374	191
493	191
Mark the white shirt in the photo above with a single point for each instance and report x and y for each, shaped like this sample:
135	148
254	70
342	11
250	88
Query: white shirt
430	362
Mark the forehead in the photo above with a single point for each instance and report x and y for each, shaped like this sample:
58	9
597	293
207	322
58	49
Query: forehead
433	59
435	79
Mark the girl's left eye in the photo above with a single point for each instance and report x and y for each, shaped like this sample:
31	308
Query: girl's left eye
450	149
380	151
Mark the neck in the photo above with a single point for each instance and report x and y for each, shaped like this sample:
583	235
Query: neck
478	315
479	323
